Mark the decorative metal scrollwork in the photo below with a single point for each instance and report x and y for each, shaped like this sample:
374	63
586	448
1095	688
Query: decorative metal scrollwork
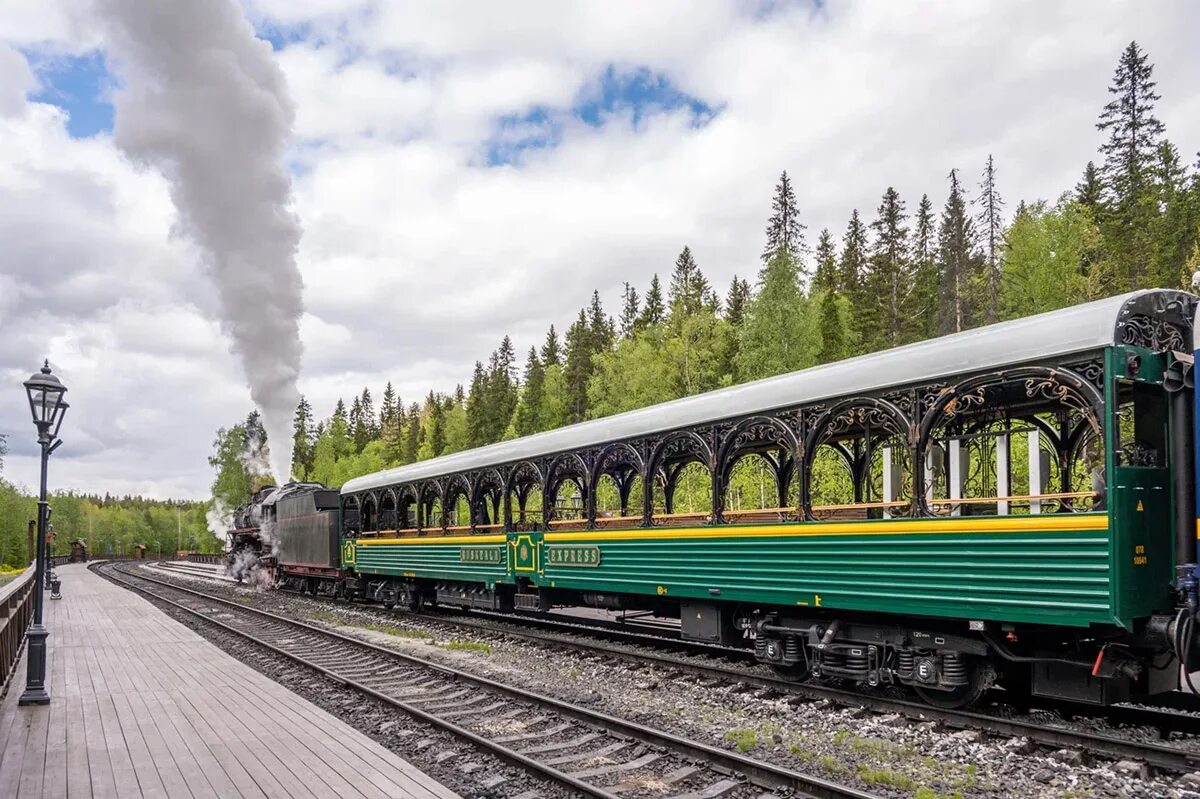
1136	453
1091	371
1154	334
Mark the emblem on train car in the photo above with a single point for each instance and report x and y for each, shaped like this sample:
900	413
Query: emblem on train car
577	555
348	553
491	556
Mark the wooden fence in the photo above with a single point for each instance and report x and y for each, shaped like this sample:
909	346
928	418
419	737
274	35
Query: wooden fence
16	611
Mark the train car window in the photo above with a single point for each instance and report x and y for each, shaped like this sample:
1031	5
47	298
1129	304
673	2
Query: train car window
1141	425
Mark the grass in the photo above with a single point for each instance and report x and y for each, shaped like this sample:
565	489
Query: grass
885	776
831	764
323	616
742	739
897	766
399	632
470	646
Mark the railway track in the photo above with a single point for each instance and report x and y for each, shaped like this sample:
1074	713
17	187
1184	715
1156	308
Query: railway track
582	750
582	636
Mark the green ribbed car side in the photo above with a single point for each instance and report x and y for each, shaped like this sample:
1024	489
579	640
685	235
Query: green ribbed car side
1048	569
468	559
1058	576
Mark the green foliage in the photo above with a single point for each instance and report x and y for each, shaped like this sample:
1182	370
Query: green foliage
108	524
887	302
1050	254
772	338
1132	222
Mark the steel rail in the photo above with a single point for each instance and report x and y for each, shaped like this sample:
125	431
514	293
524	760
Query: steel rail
1161	756
760	773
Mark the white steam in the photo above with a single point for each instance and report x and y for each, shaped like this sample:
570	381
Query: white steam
219	518
204	101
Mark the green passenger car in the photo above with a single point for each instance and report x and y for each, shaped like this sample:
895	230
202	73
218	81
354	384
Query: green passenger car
1006	504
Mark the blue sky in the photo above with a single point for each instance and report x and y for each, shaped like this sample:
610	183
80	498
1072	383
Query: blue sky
82	86
634	94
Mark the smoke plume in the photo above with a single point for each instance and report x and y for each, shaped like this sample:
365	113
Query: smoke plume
204	102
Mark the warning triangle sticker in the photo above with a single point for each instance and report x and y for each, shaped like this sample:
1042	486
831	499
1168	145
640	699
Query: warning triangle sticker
1139	507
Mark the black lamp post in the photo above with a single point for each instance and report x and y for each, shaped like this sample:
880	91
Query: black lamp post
48	407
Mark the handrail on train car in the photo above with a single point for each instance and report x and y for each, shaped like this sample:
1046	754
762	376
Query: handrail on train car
16	610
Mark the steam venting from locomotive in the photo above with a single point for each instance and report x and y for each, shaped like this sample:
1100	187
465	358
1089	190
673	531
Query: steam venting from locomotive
204	102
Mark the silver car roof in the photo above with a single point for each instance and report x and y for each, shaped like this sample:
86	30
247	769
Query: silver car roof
1077	329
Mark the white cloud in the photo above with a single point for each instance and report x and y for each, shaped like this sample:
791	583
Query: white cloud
418	257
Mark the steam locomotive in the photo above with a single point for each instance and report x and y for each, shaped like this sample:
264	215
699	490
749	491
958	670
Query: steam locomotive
290	533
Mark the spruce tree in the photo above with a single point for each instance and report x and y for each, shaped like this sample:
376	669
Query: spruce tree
1089	191
735	301
525	417
851	272
629	311
888	285
1174	228
477	423
784	231
1134	133
434	438
578	369
689	290
826	277
387	408
302	440
991	230
551	353
958	262
368	414
653	310
412	436
359	432
833	331
1130	157
500	392
601	332
506	358
854	257
925	271
772	339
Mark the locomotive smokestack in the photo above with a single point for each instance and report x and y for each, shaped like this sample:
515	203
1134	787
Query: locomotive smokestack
204	101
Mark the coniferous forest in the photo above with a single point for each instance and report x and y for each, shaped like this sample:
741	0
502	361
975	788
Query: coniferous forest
909	268
902	270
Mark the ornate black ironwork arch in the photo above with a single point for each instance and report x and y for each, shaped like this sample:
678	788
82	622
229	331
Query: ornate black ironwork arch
1036	384
843	417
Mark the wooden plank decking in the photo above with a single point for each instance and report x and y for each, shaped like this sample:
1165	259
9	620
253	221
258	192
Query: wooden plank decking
142	706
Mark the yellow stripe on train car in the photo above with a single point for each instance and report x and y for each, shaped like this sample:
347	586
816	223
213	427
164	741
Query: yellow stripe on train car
1075	522
1004	524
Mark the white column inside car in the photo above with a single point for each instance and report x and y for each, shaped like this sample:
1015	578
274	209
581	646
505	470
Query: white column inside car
889	494
955	478
1003	489
1035	470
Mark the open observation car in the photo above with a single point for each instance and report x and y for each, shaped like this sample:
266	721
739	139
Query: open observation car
1011	504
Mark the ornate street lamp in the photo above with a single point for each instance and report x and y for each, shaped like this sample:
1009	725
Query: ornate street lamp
48	407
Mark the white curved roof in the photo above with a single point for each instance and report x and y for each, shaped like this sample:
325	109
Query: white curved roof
1058	333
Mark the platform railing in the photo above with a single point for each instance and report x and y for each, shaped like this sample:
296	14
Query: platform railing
16	609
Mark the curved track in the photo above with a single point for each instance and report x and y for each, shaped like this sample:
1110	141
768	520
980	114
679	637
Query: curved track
485	712
579	634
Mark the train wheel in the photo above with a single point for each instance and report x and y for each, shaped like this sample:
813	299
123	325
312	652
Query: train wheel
980	677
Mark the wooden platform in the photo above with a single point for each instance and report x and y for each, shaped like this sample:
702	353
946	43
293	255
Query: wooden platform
142	706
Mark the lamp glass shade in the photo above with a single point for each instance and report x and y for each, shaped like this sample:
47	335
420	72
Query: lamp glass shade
45	393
